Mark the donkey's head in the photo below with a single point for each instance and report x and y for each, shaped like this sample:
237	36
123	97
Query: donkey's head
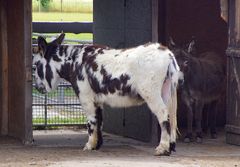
182	53
47	61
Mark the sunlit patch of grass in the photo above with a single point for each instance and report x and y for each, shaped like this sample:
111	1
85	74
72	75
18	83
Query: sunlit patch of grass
67	92
58	16
58	120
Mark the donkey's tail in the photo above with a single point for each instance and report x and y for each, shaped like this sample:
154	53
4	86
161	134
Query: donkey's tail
169	94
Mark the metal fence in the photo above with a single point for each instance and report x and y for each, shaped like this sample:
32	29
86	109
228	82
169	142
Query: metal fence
57	108
61	107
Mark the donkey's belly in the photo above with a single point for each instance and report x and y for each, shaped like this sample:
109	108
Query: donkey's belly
120	101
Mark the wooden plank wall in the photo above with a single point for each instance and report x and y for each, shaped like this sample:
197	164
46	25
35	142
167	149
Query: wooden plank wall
17	80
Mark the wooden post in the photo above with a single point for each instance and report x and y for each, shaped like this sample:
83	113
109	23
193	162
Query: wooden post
224	9
233	75
17	83
4	69
154	20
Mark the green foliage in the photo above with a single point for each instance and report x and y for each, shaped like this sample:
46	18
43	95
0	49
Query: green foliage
44	3
75	6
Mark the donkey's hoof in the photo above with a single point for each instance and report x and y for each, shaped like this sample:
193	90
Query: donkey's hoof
188	138
172	147
88	147
213	135
199	139
164	153
160	151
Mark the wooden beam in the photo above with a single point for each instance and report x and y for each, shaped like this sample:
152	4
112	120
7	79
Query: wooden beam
154	20
162	21
58	27
4	68
28	135
237	22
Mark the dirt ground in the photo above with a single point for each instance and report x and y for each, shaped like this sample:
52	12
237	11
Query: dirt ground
63	148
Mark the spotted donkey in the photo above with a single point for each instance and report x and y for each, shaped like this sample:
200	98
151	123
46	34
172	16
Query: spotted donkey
119	78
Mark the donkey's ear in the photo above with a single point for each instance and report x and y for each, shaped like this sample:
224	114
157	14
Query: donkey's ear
185	63
191	47
60	39
42	44
171	44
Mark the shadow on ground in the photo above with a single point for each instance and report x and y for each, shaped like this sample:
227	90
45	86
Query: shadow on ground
56	148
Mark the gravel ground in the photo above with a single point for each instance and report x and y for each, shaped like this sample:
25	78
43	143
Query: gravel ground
63	148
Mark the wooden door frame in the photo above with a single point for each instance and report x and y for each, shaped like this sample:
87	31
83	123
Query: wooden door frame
16	65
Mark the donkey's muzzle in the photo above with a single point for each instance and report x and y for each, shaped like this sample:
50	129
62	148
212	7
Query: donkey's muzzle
41	89
180	82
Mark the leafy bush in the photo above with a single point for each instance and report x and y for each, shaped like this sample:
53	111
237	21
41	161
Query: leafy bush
44	3
70	6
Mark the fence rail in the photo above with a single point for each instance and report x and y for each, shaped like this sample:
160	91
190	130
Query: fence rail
57	27
66	40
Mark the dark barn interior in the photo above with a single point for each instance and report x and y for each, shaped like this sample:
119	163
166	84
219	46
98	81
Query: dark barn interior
202	21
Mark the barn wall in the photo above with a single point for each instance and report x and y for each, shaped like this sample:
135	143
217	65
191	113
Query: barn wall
16	77
122	23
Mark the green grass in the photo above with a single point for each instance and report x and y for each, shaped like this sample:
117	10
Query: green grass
52	16
67	92
57	120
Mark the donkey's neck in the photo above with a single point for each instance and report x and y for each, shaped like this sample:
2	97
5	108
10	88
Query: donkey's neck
71	64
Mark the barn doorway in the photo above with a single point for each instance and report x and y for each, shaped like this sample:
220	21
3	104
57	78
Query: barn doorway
61	107
59	113
16	117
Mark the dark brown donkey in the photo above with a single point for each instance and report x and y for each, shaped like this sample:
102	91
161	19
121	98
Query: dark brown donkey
204	82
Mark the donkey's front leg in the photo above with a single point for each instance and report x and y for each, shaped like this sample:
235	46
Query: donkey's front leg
198	118
189	104
94	126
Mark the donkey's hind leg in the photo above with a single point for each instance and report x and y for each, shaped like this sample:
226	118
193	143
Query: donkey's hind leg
157	106
172	108
213	117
